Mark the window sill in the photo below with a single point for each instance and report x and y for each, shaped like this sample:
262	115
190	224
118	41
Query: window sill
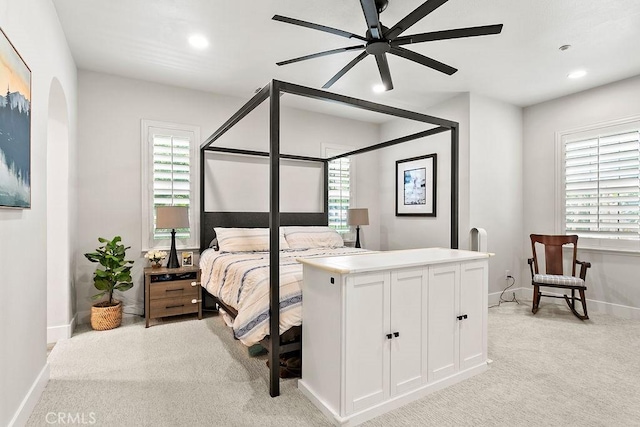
168	248
611	251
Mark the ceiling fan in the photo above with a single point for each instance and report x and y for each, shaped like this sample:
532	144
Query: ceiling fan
380	40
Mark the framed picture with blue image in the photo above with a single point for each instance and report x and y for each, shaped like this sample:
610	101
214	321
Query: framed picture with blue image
416	186
15	128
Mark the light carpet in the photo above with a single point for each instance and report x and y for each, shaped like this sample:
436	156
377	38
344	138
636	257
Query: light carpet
550	369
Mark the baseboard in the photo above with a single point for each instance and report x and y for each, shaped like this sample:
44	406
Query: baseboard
57	333
31	399
595	306
84	317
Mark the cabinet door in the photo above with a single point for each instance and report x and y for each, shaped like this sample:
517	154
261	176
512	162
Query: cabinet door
473	304
366	343
443	351
408	320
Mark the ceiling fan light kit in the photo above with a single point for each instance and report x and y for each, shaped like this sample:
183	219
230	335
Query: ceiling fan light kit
380	40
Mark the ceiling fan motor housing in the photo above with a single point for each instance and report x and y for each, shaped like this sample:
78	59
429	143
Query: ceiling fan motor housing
381	5
378	47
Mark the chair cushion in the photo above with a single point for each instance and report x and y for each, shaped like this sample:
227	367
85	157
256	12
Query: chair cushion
554	279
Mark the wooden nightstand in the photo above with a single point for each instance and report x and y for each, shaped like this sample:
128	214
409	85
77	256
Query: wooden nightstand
171	291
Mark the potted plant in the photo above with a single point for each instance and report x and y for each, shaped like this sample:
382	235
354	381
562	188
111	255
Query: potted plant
155	258
114	273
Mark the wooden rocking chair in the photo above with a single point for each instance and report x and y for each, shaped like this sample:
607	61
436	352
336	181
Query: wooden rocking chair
554	275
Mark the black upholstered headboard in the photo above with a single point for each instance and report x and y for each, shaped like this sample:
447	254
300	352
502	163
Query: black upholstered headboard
254	220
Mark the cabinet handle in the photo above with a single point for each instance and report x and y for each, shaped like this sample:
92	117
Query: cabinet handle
194	283
389	336
195	301
174	306
464	316
173	290
396	334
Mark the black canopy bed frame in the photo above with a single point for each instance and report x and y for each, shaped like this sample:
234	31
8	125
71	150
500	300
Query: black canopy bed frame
274	218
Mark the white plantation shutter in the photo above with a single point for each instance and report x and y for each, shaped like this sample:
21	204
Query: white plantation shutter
602	184
169	178
340	189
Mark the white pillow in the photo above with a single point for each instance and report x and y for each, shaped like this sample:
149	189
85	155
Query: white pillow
246	239
312	237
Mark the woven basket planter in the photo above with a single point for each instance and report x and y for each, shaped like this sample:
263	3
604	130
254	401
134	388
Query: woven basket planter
106	317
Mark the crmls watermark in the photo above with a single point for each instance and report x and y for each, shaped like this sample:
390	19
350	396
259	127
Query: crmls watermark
71	418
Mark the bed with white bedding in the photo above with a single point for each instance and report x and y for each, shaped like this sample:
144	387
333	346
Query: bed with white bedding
239	277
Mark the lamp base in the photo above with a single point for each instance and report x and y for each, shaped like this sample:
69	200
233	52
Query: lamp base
358	237
173	256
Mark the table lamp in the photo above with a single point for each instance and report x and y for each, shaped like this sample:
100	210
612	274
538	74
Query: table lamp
358	217
172	217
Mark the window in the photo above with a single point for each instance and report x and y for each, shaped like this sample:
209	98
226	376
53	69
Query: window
341	187
169	179
601	185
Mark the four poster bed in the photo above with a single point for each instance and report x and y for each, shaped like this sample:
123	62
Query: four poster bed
274	219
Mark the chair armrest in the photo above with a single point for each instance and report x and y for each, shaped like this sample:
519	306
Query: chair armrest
583	268
530	262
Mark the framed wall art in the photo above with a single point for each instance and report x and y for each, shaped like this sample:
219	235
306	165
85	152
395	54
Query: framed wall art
416	186
15	128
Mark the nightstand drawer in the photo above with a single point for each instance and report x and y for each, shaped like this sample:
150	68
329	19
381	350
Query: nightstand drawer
173	306
174	289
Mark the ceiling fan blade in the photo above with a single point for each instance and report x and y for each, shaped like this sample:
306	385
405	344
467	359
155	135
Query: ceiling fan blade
342	72
371	16
385	74
449	34
419	13
318	27
319	54
424	60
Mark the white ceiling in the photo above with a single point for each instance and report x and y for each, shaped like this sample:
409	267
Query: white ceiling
147	39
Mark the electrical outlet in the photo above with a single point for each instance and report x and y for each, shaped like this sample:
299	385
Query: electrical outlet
507	274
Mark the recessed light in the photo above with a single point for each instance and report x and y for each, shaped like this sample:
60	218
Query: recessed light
379	88
198	41
577	74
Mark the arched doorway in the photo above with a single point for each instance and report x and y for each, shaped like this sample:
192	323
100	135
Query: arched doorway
59	260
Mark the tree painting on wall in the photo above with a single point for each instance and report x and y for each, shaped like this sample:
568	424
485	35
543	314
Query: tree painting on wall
15	128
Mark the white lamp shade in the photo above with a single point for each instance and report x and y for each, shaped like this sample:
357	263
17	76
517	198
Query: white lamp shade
172	217
358	216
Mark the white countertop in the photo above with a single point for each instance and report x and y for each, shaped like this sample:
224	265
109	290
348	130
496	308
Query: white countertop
375	261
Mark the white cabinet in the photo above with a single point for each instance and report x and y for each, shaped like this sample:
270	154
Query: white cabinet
383	329
385	336
457	312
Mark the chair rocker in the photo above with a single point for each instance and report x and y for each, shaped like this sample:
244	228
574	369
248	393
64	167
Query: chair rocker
554	275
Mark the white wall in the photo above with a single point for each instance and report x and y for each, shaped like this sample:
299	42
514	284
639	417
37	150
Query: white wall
414	232
496	199
33	27
612	282
109	172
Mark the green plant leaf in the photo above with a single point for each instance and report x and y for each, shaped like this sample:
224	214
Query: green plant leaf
101	273
123	277
101	284
98	296
124	286
102	240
